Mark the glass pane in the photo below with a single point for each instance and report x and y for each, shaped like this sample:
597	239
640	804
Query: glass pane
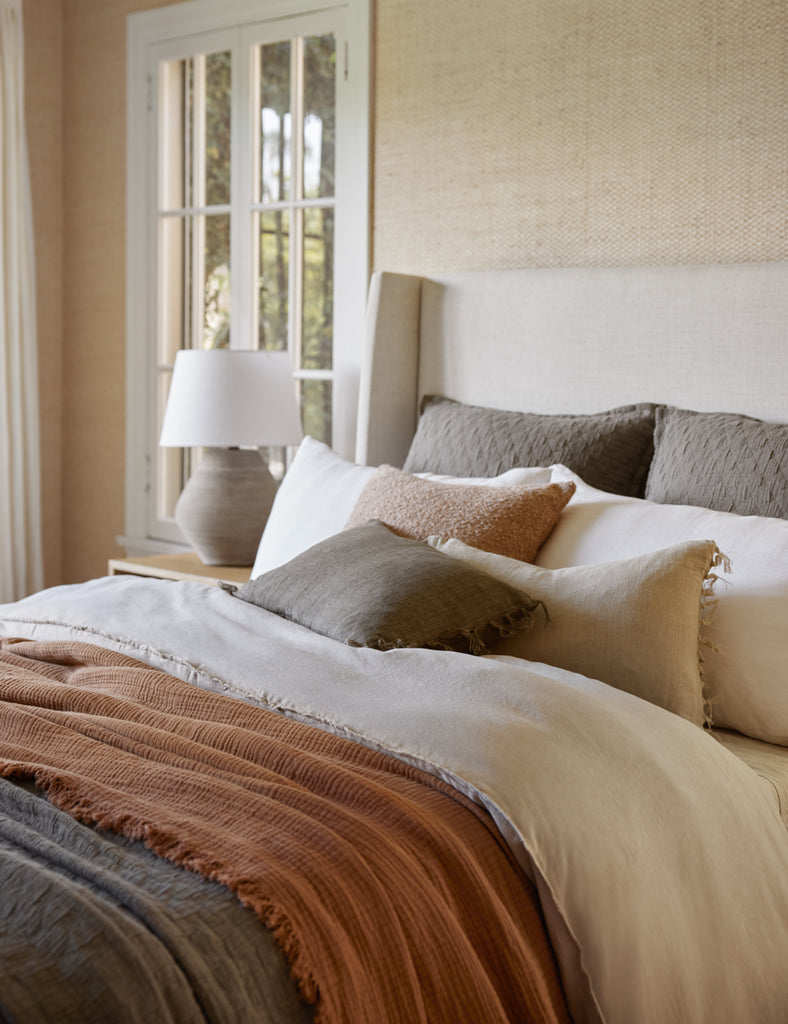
216	289
175	305
177	127
273	282
275	457
217	128
276	122
316	409
318	311
319	119
170	466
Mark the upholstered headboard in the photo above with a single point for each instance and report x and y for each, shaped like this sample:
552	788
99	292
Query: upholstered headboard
573	340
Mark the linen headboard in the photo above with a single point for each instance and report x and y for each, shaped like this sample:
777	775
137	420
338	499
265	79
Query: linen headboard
710	338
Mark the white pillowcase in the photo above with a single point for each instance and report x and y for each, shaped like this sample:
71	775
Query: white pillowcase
747	677
318	495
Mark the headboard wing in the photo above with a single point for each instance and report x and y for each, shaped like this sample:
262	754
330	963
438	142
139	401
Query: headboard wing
389	385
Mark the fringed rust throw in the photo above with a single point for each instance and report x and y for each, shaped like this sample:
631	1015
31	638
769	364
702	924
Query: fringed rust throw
390	894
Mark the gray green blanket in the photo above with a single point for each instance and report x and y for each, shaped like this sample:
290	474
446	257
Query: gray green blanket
65	888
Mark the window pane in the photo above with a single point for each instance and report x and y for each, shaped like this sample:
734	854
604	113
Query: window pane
318	311
217	128
170	461
275	457
175	302
276	122
177	126
273	282
216	290
319	119
316	409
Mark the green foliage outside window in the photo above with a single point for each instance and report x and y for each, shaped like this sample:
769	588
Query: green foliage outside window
315	223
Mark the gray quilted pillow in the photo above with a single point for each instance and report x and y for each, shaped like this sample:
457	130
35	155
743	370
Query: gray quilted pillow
609	450
720	460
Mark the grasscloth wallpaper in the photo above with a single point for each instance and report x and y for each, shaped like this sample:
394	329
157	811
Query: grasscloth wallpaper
509	133
567	132
44	117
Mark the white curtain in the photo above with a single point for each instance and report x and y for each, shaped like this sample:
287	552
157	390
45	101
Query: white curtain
20	486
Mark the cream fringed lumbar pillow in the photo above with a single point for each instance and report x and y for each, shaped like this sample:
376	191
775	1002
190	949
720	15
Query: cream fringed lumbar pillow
634	623
511	521
747	668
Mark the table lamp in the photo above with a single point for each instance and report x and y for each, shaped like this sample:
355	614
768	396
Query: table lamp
219	400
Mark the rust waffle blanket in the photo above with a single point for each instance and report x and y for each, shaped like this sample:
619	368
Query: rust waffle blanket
390	894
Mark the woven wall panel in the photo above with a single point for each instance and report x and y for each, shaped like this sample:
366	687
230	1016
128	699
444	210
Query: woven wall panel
560	132
94	280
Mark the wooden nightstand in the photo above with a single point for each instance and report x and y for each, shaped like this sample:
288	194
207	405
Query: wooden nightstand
182	566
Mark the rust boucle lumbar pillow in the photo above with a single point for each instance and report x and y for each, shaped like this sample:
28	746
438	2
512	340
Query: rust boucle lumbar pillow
511	521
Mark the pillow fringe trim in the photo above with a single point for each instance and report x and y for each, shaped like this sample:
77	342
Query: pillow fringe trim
708	607
508	624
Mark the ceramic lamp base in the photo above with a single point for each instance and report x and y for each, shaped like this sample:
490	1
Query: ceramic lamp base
224	506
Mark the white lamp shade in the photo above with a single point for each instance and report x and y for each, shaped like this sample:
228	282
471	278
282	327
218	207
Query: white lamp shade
224	398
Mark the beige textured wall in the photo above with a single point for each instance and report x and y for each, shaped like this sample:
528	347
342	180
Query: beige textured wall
94	38
574	132
43	26
76	103
507	133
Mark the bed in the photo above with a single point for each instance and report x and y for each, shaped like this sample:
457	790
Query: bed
497	731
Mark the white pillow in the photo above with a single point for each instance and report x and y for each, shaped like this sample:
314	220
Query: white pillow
747	676
318	495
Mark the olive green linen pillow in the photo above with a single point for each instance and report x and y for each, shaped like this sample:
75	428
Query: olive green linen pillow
367	587
512	521
634	623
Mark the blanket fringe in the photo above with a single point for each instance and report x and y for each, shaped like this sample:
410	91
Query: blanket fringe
62	794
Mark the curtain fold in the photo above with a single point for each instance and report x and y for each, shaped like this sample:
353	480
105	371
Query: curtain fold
20	485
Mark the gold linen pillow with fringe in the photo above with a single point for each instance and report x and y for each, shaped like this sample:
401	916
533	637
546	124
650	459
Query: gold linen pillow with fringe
634	623
511	521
